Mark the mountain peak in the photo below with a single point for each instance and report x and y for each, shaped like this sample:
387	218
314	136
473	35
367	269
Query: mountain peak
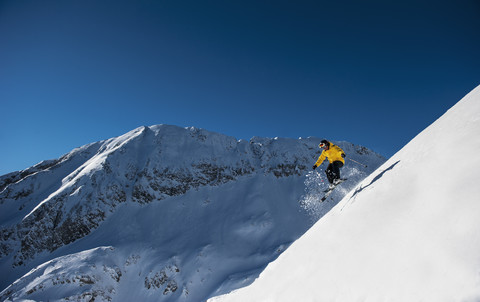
169	201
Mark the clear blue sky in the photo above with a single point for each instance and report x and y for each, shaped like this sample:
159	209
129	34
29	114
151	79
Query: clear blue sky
374	73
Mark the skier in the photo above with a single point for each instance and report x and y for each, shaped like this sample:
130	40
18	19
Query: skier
336	157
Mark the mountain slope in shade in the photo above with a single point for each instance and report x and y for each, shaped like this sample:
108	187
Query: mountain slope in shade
408	232
161	213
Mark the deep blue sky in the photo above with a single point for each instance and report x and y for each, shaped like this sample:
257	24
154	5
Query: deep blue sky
374	73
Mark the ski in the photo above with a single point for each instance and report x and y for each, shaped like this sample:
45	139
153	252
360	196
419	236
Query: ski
330	190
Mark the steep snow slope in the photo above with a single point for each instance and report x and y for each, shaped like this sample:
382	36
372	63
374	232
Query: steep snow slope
408	232
160	213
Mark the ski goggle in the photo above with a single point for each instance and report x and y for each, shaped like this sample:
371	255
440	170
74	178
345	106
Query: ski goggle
322	145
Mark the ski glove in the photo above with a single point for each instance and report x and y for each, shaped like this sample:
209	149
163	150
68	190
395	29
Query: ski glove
314	167
343	155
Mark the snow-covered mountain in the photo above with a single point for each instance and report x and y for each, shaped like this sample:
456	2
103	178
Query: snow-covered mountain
162	213
408	232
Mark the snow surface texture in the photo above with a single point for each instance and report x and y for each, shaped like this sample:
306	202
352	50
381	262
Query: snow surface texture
408	232
161	213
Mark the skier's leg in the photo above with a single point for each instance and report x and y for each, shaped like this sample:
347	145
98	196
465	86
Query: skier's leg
330	173
336	169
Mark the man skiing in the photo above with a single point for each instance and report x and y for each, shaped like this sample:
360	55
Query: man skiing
335	156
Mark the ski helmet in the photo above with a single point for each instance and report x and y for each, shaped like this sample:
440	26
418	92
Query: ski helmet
324	143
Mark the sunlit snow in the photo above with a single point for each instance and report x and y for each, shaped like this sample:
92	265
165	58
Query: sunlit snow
408	232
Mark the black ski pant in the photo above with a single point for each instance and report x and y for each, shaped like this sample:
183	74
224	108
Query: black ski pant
333	171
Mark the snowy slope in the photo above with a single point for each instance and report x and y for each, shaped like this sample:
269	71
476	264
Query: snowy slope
408	232
162	213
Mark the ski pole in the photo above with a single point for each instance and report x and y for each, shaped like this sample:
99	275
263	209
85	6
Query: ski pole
358	162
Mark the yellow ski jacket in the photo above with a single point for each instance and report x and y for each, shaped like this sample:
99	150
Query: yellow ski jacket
333	153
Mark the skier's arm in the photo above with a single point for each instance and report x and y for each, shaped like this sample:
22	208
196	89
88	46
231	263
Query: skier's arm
342	154
320	160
